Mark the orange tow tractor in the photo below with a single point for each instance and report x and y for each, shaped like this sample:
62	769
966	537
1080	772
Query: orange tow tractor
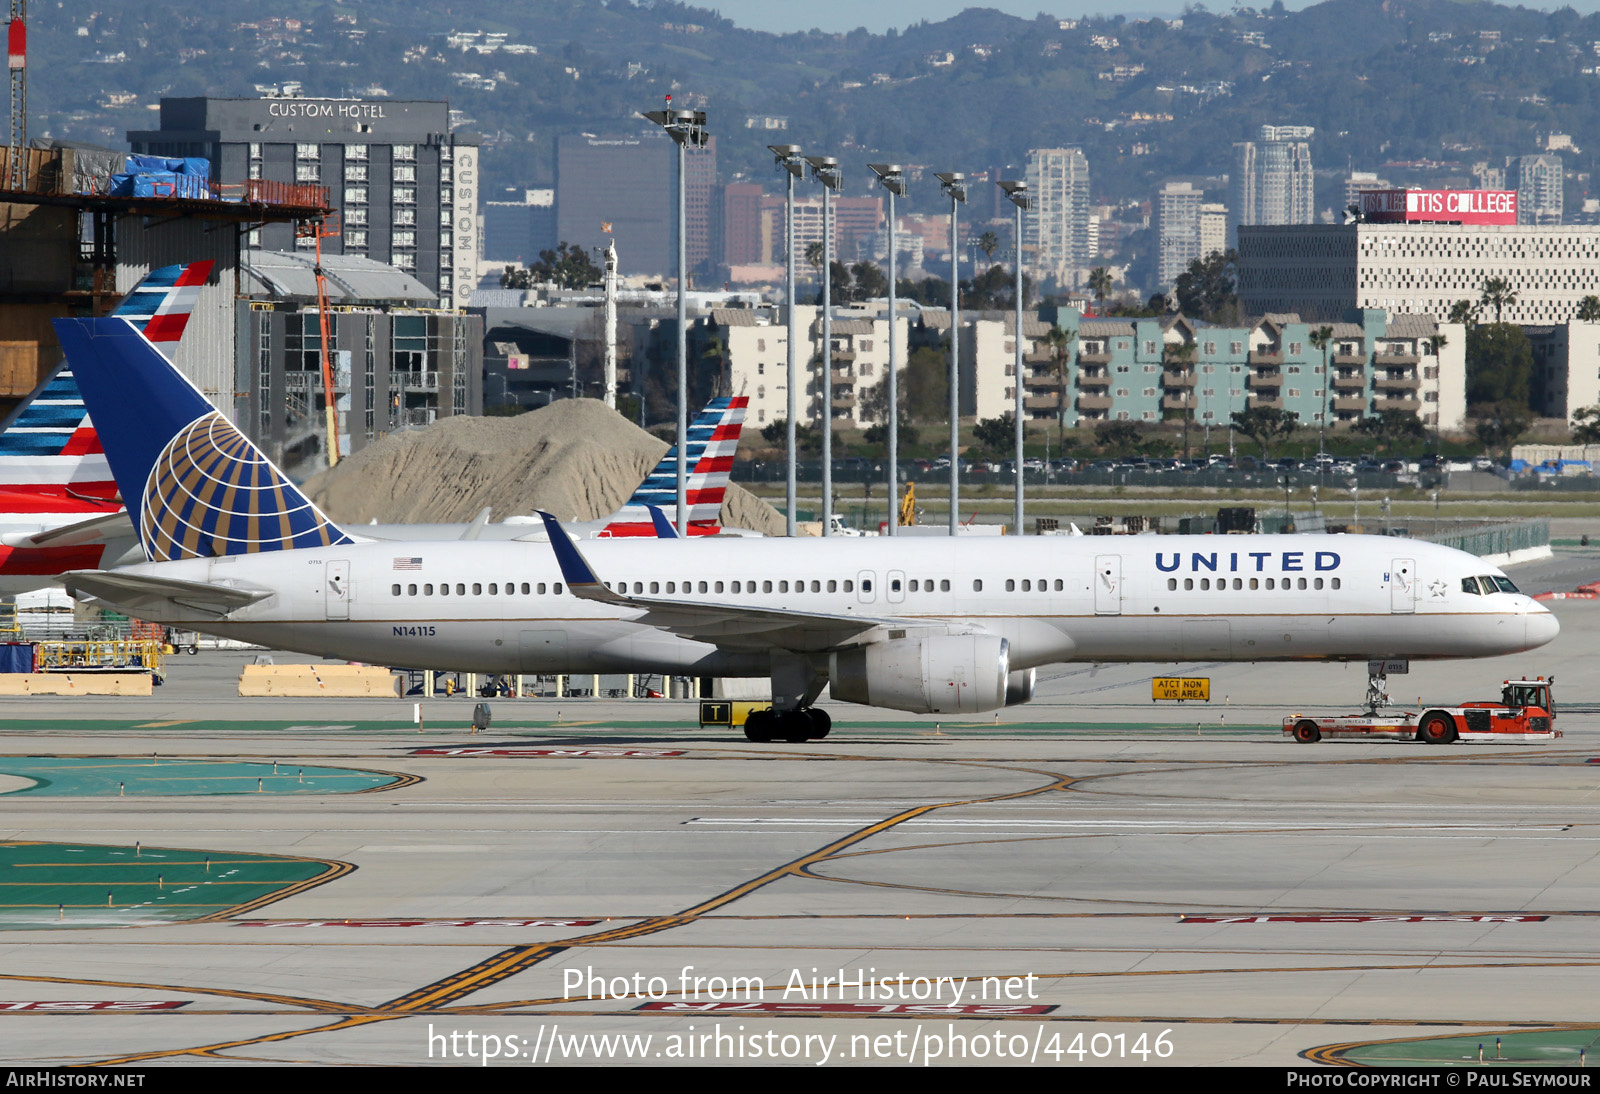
1524	715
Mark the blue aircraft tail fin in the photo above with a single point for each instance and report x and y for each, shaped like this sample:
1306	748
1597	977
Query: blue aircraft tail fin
197	487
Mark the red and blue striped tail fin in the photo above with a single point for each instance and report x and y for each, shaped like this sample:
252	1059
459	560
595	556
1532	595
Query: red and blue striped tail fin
50	456
160	305
195	486
713	439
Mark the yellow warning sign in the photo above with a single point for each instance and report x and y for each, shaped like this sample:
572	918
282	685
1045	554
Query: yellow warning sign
726	712
1181	689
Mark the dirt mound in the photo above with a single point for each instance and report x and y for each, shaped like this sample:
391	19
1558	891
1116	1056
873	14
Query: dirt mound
576	458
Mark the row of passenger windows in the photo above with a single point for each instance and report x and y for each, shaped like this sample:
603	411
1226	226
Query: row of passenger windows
1255	583
494	587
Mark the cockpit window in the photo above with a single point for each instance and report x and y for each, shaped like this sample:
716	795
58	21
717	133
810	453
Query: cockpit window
1505	584
1469	585
1488	584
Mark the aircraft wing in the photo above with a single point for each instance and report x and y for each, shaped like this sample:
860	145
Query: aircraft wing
733	625
139	593
94	530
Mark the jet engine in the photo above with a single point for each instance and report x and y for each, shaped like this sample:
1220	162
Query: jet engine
940	674
1019	687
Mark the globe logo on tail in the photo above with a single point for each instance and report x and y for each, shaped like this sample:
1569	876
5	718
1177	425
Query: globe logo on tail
212	493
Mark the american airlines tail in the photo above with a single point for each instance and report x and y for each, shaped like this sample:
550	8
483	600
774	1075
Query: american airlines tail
195	486
51	460
713	439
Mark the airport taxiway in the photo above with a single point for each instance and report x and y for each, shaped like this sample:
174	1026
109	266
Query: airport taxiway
1174	880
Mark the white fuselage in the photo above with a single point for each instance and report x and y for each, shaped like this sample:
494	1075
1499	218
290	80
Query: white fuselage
498	606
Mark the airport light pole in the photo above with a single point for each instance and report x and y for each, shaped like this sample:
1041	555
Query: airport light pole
1018	193
787	156
825	169
893	180
685	127
955	184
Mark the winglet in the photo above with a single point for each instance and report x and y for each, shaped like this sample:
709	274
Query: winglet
575	569
664	528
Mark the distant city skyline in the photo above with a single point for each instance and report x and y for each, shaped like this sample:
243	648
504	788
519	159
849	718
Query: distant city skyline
838	16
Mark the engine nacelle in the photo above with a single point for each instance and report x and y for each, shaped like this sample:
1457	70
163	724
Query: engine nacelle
941	674
1019	687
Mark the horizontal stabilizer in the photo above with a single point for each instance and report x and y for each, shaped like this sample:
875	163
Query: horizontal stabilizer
159	596
94	530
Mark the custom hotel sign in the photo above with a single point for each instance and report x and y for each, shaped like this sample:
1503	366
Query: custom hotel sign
1439	206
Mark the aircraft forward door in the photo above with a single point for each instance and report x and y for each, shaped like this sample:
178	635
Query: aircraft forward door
338	590
1403	586
1108	585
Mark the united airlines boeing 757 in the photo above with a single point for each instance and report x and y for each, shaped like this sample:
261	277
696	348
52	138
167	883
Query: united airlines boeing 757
923	625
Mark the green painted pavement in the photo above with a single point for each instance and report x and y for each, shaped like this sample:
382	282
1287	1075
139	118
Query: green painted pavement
1534	1048
56	885
111	776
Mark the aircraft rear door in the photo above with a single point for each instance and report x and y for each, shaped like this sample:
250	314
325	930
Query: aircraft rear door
1108	585
339	591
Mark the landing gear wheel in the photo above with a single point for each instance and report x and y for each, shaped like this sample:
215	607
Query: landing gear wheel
1437	729
1306	732
759	725
796	726
821	723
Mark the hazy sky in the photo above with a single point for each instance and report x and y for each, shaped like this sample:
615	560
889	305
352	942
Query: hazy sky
842	15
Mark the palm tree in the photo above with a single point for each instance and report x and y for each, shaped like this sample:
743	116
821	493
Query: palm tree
988	243
1589	309
1437	342
1321	338
1464	312
1060	343
715	351
1497	294
1100	282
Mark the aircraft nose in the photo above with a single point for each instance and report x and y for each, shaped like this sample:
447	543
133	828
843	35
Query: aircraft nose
1542	626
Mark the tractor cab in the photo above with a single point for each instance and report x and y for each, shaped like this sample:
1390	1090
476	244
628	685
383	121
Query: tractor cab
1530	693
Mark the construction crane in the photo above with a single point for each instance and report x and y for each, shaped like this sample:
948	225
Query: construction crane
17	65
320	229
908	506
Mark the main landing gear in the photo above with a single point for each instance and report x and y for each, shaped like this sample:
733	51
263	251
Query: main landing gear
807	724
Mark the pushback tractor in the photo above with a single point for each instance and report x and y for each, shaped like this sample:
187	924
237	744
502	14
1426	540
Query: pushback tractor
1525	714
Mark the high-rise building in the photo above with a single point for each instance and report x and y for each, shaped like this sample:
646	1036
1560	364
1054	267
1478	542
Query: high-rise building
1272	181
1056	225
741	223
1356	183
1213	228
517	231
1187	228
1538	181
630	184
1177	229
404	184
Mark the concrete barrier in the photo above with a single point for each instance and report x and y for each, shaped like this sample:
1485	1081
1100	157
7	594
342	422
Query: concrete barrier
305	681
66	683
